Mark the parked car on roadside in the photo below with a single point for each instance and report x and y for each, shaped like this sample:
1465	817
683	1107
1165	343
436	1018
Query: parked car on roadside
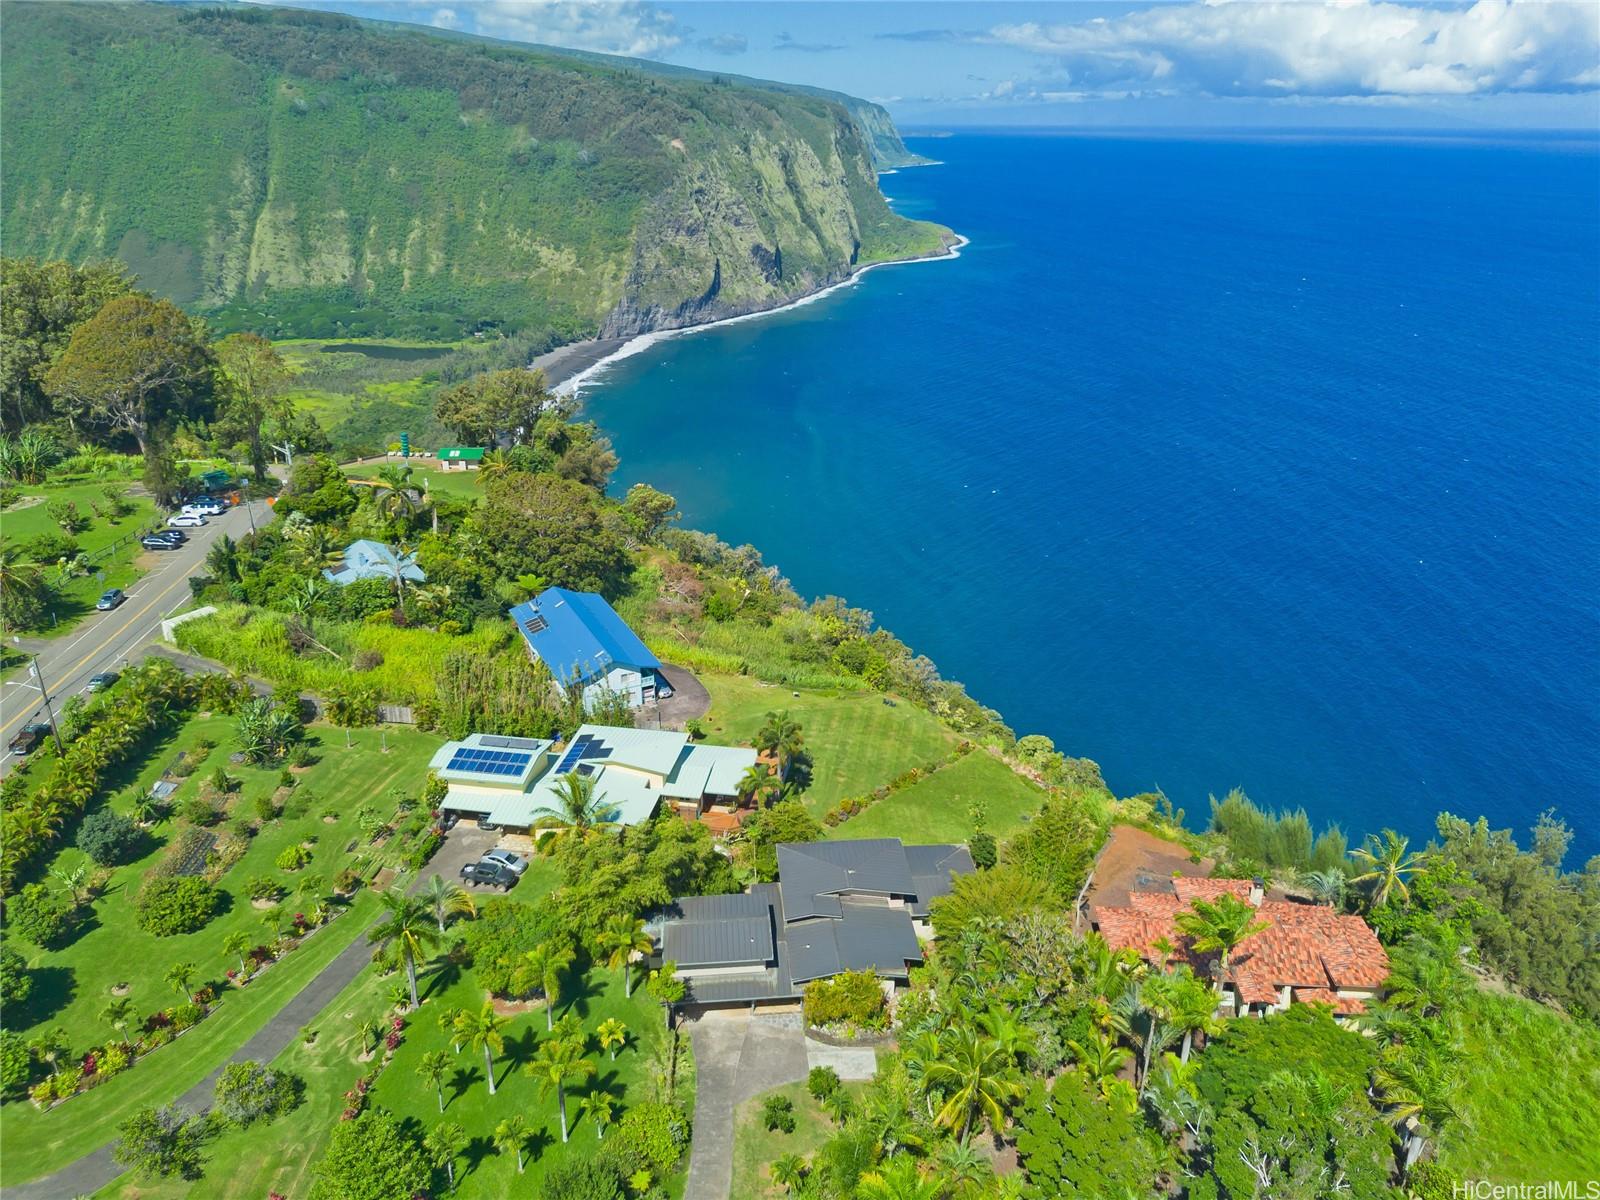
153	542
182	520
28	739
110	599
100	682
205	507
176	536
488	874
505	858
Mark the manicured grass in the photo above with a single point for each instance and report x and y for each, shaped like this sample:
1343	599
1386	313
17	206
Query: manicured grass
482	1171
936	809
72	984
1526	1071
457	485
857	740
755	1146
248	1164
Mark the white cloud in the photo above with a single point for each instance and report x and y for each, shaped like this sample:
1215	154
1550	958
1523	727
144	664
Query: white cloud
445	18
630	27
1328	48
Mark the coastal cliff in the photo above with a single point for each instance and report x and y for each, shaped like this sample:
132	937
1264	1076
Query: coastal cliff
316	175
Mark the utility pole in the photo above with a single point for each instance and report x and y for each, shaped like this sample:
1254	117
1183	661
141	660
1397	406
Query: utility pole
55	730
287	450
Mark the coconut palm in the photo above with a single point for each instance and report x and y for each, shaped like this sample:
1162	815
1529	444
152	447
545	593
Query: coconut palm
1420	1087
540	970
495	464
443	1143
576	807
433	1068
513	1134
180	977
446	899
393	492
486	1029
789	1172
1218	926
406	923
901	1179
558	1063
597	1106
780	736
613	1035
976	1078
24	591
619	941
1388	864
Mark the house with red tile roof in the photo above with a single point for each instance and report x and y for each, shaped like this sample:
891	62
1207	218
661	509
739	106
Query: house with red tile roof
1307	954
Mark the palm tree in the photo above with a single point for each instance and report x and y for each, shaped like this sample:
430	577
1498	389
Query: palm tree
1388	865
780	736
967	1167
540	970
450	1023
72	881
180	977
619	941
485	1028
977	1079
23	589
408	923
1420	1088
789	1172
117	1013
1328	886
393	492
495	464
433	1067
1425	982
446	899
558	1063
576	808
901	1179
512	1134
1100	1059
613	1035
597	1106
304	601
1219	926
443	1143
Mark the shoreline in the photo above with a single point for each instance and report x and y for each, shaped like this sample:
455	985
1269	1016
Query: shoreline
569	368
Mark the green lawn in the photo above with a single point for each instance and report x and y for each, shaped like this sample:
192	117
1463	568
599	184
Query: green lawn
755	1146
857	740
1526	1069
456	485
72	984
935	810
248	1164
75	599
483	1172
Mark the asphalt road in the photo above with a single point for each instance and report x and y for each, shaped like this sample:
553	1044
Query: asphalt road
110	641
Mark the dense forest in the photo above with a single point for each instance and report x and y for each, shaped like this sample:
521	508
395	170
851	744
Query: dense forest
318	175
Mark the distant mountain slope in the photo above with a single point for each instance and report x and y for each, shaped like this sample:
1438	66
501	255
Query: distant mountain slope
310	173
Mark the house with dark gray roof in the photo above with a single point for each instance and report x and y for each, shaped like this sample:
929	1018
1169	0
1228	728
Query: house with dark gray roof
837	906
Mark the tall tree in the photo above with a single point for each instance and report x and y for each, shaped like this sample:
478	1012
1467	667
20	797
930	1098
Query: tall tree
254	375
1218	927
41	303
485	1030
554	528
138	366
1387	864
558	1063
977	1079
443	1143
432	1068
540	970
780	735
494	404
407	923
577	809
622	938
513	1134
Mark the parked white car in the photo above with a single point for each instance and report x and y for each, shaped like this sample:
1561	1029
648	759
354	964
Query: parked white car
205	508
506	859
185	520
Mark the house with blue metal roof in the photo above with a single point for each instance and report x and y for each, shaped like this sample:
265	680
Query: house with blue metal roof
367	559
587	646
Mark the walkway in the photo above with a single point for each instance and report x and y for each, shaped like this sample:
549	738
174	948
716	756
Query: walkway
737	1056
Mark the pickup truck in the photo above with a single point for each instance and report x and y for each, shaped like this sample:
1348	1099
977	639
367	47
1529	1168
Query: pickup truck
489	874
28	739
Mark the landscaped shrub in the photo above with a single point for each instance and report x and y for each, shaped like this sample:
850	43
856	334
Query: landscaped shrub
584	1179
50	547
853	999
263	887
108	837
174	905
185	1016
656	1133
249	1092
777	1114
199	810
15	982
505	931
822	1082
985	853
41	915
292	858
16	1063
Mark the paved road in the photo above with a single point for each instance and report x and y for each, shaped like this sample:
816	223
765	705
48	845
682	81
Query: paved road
737	1055
109	641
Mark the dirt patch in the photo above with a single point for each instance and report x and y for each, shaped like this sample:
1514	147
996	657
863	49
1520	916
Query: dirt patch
1136	861
515	1008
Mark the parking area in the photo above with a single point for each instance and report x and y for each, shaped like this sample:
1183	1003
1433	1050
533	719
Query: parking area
464	844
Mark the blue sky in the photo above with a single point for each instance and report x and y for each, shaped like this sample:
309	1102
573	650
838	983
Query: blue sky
1492	63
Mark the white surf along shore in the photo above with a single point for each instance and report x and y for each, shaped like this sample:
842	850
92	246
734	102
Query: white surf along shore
573	384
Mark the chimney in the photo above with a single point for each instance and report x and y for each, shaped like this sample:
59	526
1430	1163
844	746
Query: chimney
1257	891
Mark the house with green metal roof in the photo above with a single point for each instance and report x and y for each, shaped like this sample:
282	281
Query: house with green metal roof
460	458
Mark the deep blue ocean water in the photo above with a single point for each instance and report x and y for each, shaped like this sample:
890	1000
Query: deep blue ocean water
1258	462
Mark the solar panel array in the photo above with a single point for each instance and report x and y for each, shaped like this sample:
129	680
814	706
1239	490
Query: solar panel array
489	762
493	741
569	760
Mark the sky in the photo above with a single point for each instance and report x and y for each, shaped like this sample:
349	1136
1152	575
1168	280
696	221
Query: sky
1223	63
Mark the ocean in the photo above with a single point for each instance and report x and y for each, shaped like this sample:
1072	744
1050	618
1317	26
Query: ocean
1270	462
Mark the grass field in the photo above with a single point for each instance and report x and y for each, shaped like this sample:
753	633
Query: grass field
72	984
1525	1072
936	809
458	485
857	740
755	1146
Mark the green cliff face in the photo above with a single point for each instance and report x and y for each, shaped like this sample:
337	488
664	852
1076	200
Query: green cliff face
308	173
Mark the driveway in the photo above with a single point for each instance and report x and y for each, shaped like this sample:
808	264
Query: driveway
737	1056
689	699
464	844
